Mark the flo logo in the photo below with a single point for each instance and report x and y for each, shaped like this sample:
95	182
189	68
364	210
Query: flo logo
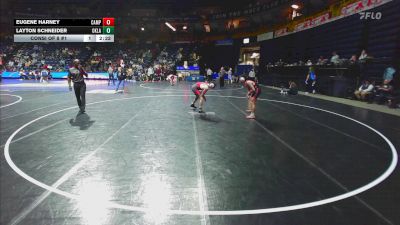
370	15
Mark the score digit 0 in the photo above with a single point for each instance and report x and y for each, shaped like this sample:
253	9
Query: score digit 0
109	22
108	30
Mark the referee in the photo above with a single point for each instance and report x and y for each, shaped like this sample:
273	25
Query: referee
75	75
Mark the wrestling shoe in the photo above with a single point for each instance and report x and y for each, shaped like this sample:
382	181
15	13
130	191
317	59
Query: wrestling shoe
251	116
193	106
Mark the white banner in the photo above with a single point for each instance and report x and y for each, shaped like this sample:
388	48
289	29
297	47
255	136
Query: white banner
265	36
361	5
303	25
347	10
313	22
321	19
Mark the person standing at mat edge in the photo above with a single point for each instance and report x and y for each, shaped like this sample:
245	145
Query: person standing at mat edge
252	94
75	74
311	81
110	75
121	75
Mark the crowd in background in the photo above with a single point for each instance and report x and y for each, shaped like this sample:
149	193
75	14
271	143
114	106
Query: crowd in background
147	62
155	62
334	60
383	88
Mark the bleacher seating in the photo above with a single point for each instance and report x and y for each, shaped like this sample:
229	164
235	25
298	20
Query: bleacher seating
348	36
95	57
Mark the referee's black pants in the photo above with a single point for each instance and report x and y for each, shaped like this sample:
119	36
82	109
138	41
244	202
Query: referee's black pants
221	81
80	92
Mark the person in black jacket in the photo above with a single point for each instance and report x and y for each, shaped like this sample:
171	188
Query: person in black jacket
121	75
76	75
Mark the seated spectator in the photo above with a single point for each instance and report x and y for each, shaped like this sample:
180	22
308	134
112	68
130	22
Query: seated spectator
364	90
335	59
363	55
37	75
321	61
383	92
23	75
353	59
129	73
280	63
292	90
32	75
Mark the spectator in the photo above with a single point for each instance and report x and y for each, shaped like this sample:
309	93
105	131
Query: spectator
2	68
363	55
230	76
110	75
321	61
22	75
209	75
252	75
32	75
292	90
364	90
11	63
121	75
37	75
129	74
389	73
222	73
353	59
44	75
335	59
280	63
157	73
383	92
311	81
150	73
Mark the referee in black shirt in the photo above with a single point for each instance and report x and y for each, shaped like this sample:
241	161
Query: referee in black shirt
75	75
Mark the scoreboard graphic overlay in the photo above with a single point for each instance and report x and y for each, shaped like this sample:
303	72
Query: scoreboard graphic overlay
64	30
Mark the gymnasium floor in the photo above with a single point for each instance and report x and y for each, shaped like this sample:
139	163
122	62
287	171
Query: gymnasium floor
144	157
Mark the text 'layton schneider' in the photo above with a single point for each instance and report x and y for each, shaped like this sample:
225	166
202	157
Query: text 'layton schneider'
41	30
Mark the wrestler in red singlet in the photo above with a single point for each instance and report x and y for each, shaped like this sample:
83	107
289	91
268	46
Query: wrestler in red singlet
253	91
200	89
172	79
